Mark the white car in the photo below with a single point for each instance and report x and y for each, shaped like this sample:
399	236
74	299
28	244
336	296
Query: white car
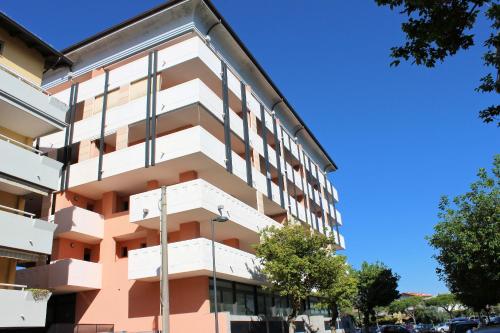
442	328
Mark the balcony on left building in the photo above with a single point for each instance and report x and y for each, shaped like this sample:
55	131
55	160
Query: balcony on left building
27	175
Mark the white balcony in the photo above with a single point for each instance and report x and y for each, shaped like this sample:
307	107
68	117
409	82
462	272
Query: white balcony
27	109
20	308
79	224
28	165
339	217
63	276
25	233
197	200
194	258
190	149
339	240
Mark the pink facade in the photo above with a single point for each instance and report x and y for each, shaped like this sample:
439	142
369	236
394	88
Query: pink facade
134	305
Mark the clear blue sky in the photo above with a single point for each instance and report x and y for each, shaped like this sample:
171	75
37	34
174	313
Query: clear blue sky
402	137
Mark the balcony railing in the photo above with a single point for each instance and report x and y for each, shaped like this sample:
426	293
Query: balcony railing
79	224
22	231
20	144
65	275
194	258
17	211
20	308
29	164
197	195
23	79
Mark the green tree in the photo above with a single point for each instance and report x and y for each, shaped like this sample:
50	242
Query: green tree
447	302
436	30
407	306
429	315
338	287
467	240
292	259
377	286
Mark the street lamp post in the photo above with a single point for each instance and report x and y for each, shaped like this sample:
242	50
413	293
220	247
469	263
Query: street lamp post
164	292
221	218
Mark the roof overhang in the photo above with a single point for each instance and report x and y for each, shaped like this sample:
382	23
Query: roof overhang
53	58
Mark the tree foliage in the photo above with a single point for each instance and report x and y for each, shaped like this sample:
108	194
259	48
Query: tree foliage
436	30
377	286
338	287
447	302
429	315
292	259
467	240
408	306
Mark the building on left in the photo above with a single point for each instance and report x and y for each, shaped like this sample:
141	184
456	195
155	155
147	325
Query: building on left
26	173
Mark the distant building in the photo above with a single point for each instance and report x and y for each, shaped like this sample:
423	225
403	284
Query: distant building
412	294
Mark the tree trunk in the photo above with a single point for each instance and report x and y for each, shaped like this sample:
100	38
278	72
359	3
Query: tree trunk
450	312
291	318
366	322
335	314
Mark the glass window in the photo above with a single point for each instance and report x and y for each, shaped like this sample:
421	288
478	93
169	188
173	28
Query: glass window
221	283
261	304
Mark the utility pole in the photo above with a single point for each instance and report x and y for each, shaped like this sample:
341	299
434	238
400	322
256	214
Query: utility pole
164	294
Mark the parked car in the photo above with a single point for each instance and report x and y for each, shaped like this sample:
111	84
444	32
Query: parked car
488	329
424	328
494	321
459	319
477	319
442	328
462	326
392	329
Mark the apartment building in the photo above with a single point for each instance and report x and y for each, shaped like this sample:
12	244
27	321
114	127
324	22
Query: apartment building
173	97
26	173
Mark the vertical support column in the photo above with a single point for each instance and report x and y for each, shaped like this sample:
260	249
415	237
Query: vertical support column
327	197
69	137
103	123
277	149
286	172
309	176
227	125
67	131
244	114
335	215
305	188
266	152
153	108
148	108
293	175
320	192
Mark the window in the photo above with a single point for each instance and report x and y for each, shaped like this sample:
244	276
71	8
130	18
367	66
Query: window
124	252
87	253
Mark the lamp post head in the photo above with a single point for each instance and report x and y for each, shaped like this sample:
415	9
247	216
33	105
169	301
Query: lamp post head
221	218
